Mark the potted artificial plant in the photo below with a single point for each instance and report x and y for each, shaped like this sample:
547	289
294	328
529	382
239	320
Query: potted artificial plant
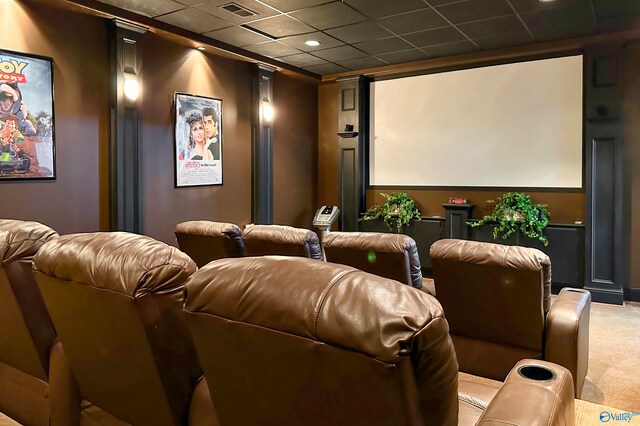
398	209
514	211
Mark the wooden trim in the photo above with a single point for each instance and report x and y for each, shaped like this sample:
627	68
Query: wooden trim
490	57
632	294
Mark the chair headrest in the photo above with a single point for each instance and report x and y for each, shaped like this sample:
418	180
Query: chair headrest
20	239
335	304
119	261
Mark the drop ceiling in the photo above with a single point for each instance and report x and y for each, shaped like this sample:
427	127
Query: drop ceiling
360	34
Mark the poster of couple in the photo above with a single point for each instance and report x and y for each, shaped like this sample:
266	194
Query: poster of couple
26	117
198	140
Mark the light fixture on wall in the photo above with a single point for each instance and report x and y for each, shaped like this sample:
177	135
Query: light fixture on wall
267	112
131	88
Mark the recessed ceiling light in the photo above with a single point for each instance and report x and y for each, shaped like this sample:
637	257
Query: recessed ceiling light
200	48
312	43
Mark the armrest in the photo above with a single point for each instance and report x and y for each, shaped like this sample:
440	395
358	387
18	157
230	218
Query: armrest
63	390
567	334
525	402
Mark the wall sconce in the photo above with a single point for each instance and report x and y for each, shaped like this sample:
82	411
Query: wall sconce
267	112
131	87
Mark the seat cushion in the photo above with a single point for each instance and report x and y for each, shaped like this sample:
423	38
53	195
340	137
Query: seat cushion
474	395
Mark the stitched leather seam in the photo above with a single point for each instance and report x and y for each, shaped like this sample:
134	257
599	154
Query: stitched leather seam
323	299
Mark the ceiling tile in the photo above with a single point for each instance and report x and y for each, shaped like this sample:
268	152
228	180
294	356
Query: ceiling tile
213	7
145	7
342	53
606	9
492	27
272	49
619	23
362	63
289	5
329	15
449	49
500	41
533	5
441	2
437	36
404	56
385	45
281	26
326	69
194	20
302	60
298	41
475	10
420	20
189	2
574	15
237	36
557	33
359	32
380	8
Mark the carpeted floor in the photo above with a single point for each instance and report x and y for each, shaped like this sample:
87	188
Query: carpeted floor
613	377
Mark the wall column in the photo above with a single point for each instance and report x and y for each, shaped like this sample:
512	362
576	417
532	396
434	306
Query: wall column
604	187
353	132
262	139
124	176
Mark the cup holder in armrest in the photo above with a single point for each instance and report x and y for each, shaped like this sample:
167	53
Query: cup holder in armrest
537	373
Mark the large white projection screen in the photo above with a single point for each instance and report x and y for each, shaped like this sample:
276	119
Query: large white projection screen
514	125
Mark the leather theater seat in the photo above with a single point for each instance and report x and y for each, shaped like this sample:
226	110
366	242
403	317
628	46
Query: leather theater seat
116	301
28	346
393	256
205	241
261	240
497	299
292	341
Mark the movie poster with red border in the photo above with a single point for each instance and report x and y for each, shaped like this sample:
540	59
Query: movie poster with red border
27	142
198	140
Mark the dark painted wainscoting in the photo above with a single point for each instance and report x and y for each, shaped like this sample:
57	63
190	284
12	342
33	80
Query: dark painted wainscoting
566	245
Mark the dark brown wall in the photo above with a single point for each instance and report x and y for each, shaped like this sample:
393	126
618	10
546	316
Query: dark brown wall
565	207
79	47
631	126
295	145
328	151
169	67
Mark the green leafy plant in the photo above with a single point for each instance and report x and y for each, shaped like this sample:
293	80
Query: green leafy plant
398	207
513	211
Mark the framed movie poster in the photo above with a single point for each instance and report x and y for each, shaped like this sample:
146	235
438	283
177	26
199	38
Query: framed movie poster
27	143
198	140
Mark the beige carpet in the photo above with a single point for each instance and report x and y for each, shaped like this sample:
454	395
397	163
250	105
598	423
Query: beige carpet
613	377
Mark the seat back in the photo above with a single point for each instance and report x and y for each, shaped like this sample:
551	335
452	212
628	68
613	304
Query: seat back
495	298
262	240
205	241
292	341
393	256
116	300
26	330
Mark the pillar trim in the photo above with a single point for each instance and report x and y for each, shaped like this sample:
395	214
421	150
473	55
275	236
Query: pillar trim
262	152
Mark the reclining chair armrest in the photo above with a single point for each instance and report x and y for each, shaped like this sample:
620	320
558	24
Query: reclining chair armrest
526	402
567	334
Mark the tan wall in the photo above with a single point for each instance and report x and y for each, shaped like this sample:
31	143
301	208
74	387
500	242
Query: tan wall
631	128
79	47
295	145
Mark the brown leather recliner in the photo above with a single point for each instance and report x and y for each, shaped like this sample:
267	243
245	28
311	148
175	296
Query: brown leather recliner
27	335
205	241
292	341
261	240
392	256
497	299
116	301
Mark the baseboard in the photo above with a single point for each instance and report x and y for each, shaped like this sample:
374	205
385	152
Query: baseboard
615	297
632	294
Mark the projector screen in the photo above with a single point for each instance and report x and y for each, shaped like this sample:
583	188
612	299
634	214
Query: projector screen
513	125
